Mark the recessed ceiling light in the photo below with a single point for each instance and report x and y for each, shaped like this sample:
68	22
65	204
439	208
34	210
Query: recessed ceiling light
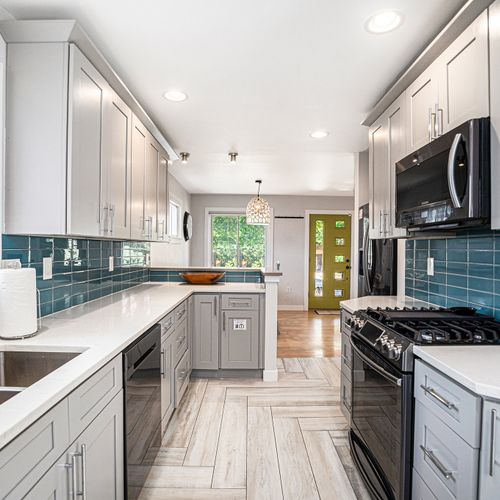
175	95
184	157
233	157
383	22
319	134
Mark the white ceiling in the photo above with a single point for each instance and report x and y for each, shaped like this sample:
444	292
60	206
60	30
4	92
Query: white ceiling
261	75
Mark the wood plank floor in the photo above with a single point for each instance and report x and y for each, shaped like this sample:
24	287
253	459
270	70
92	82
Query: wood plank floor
245	439
305	334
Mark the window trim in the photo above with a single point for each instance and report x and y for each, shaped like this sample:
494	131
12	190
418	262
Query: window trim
179	219
209	211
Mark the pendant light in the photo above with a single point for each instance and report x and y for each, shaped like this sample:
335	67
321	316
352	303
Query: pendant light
258	210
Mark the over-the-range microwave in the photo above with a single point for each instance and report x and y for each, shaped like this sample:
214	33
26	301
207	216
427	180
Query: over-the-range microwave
446	184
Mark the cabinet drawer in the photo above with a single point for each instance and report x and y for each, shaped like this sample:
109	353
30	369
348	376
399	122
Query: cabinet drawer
26	459
345	397
180	313
446	463
180	341
420	491
453	404
90	398
344	316
240	301
181	378
167	325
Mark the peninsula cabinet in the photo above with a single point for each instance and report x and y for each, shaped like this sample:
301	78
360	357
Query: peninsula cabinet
453	89
78	162
387	145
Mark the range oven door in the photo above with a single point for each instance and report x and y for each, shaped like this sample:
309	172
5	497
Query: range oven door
447	181
381	434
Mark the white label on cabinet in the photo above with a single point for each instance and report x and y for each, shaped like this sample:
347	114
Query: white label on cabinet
239	324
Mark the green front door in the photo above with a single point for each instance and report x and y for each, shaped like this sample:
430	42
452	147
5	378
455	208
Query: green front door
329	260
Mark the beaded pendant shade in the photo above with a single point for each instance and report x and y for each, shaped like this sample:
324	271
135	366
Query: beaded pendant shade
258	210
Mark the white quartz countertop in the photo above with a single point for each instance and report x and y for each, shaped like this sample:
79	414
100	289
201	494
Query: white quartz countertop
476	367
362	303
100	330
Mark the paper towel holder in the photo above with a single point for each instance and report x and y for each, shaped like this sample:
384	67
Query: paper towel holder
38	320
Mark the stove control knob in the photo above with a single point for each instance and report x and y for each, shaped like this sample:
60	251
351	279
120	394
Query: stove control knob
381	342
395	351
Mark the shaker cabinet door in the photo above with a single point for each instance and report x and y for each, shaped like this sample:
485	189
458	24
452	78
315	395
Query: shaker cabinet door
206	332
162	196
240	339
116	167
151	188
378	154
489	462
87	94
421	102
464	77
138	168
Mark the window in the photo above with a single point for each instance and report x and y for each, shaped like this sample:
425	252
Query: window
236	244
175	212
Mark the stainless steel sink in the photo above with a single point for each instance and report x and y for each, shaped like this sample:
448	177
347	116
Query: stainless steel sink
7	394
20	369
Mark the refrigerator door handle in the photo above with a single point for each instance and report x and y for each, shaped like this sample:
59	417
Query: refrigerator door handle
365	262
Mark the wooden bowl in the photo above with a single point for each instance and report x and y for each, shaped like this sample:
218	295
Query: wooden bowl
202	278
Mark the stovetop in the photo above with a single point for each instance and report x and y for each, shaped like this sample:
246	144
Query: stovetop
393	332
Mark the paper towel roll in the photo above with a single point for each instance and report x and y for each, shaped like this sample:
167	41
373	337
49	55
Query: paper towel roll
17	302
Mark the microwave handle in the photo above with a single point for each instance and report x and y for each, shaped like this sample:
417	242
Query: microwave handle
452	157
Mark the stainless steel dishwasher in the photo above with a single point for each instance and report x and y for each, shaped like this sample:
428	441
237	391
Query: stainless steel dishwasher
142	380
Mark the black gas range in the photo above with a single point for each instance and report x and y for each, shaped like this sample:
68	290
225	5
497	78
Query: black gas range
382	342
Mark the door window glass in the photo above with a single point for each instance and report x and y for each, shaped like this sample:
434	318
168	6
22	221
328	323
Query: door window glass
340	242
340	224
318	271
339	276
338	293
339	259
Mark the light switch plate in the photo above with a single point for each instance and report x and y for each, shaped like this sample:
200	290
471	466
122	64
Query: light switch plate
47	268
430	266
111	263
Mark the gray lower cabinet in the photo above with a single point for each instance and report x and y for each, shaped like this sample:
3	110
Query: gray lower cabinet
92	467
206	332
489	462
240	339
346	364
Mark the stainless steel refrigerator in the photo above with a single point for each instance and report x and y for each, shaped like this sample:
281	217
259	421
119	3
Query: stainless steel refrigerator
377	261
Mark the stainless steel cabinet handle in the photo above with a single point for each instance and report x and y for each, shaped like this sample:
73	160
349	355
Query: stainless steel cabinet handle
223	321
84	472
386	231
451	171
162	372
447	474
440	121
215	306
71	487
162	232
438	397
105	211
73	476
432	125
493	440
380	222
111	211
429	125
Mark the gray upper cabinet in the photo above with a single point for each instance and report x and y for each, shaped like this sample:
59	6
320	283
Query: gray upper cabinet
162	202
138	167
206	332
453	89
151	187
378	158
116	158
464	77
77	161
421	102
494	19
87	99
240	339
489	462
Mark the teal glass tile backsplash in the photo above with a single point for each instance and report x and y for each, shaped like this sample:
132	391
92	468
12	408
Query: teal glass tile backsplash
80	267
466	271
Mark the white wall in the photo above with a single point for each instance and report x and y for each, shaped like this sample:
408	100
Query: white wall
288	239
176	251
363	179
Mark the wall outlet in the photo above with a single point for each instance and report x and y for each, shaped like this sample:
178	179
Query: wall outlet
148	259
430	266
47	268
111	263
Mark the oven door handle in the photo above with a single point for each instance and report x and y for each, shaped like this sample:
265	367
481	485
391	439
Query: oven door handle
395	380
452	157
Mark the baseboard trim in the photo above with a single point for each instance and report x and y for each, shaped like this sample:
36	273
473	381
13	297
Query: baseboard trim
290	308
270	375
